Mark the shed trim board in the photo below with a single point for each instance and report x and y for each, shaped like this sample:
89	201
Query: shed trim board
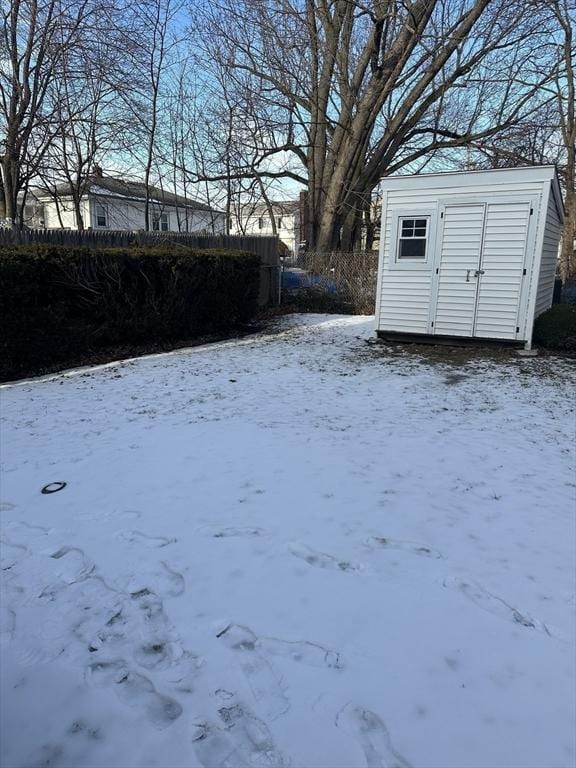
380	271
534	276
470	179
480	273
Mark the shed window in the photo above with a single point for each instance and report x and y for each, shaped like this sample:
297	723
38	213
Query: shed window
412	239
101	215
160	222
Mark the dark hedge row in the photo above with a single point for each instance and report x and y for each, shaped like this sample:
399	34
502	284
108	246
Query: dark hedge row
60	303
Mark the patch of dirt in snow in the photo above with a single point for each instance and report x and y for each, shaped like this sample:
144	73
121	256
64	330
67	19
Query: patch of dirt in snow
469	359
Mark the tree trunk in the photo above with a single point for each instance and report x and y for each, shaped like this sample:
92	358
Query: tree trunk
9	182
567	109
2	199
351	235
370	226
78	212
567	261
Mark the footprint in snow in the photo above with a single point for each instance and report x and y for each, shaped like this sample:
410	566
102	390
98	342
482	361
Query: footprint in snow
370	730
131	626
100	611
495	605
150	608
73	564
183	672
266	684
139	538
28	530
81	729
232	532
301	651
47	574
321	559
422	550
161	580
162	652
136	691
155	653
110	617
240	740
11	554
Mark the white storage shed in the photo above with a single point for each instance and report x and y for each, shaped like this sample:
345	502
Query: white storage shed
469	254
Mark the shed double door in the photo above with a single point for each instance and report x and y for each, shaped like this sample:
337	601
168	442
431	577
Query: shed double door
481	268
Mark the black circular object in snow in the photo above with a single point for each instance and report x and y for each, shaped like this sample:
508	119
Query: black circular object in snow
53	487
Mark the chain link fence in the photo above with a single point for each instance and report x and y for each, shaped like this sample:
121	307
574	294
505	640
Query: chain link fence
331	282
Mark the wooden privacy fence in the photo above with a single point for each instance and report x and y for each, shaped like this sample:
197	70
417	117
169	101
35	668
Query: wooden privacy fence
264	246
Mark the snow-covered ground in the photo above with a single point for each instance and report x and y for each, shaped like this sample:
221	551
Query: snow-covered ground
295	549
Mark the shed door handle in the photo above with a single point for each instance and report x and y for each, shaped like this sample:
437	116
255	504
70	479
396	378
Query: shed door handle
478	272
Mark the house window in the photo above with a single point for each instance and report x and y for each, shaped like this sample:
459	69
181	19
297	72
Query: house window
160	222
101	215
260	223
412	239
279	222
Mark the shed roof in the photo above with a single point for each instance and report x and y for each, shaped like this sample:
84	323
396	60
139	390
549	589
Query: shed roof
468	178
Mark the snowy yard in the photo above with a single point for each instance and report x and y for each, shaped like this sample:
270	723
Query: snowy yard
294	549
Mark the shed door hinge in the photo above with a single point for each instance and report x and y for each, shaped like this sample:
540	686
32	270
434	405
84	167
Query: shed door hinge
437	270
531	211
432	324
517	329
442	215
523	271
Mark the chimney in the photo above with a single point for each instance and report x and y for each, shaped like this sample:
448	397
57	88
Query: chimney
98	171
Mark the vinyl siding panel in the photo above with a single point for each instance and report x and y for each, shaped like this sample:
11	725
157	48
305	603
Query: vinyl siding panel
552	232
405	300
405	293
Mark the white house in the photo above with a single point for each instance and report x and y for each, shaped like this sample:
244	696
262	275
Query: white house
110	203
468	254
255	219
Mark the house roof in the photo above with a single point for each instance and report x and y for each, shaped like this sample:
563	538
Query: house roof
278	206
109	186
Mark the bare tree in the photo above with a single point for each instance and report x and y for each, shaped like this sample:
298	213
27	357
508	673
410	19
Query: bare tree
548	134
37	34
200	135
89	122
154	42
99	92
353	90
565	90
